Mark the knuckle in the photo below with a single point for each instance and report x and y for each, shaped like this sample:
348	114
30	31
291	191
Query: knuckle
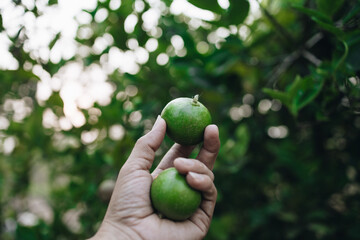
212	176
208	181
212	189
200	165
142	146
215	192
204	169
141	141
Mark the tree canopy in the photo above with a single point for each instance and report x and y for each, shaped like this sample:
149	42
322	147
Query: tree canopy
81	81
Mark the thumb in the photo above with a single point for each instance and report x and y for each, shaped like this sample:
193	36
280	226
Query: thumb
143	153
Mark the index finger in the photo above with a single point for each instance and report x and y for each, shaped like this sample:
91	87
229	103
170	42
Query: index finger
211	146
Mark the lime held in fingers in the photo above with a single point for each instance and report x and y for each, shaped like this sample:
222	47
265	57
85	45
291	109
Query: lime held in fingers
186	120
172	196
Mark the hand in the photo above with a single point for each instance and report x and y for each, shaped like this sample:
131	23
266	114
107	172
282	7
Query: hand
130	214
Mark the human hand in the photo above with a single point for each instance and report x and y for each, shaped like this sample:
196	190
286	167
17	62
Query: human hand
130	214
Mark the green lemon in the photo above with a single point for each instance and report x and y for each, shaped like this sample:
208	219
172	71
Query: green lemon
172	196
186	120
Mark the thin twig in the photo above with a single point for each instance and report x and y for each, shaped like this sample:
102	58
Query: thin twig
283	32
311	57
292	57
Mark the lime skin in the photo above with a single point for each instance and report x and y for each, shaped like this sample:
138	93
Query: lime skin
172	196
186	120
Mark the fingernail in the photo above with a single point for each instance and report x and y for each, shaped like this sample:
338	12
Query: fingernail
196	176
156	122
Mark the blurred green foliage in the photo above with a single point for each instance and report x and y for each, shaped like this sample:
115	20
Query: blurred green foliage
282	84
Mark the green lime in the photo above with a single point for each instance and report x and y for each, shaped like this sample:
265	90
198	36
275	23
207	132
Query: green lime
186	120
172	196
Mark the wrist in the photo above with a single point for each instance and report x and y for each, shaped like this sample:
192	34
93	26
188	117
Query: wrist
111	231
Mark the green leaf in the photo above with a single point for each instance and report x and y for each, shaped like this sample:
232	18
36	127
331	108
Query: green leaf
242	134
323	20
329	7
313	13
352	60
1	24
55	100
329	27
294	87
320	229
308	90
52	2
211	5
343	57
300	93
288	217
53	42
238	11
351	14
283	97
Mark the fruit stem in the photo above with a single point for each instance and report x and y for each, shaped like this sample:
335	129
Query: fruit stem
196	99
